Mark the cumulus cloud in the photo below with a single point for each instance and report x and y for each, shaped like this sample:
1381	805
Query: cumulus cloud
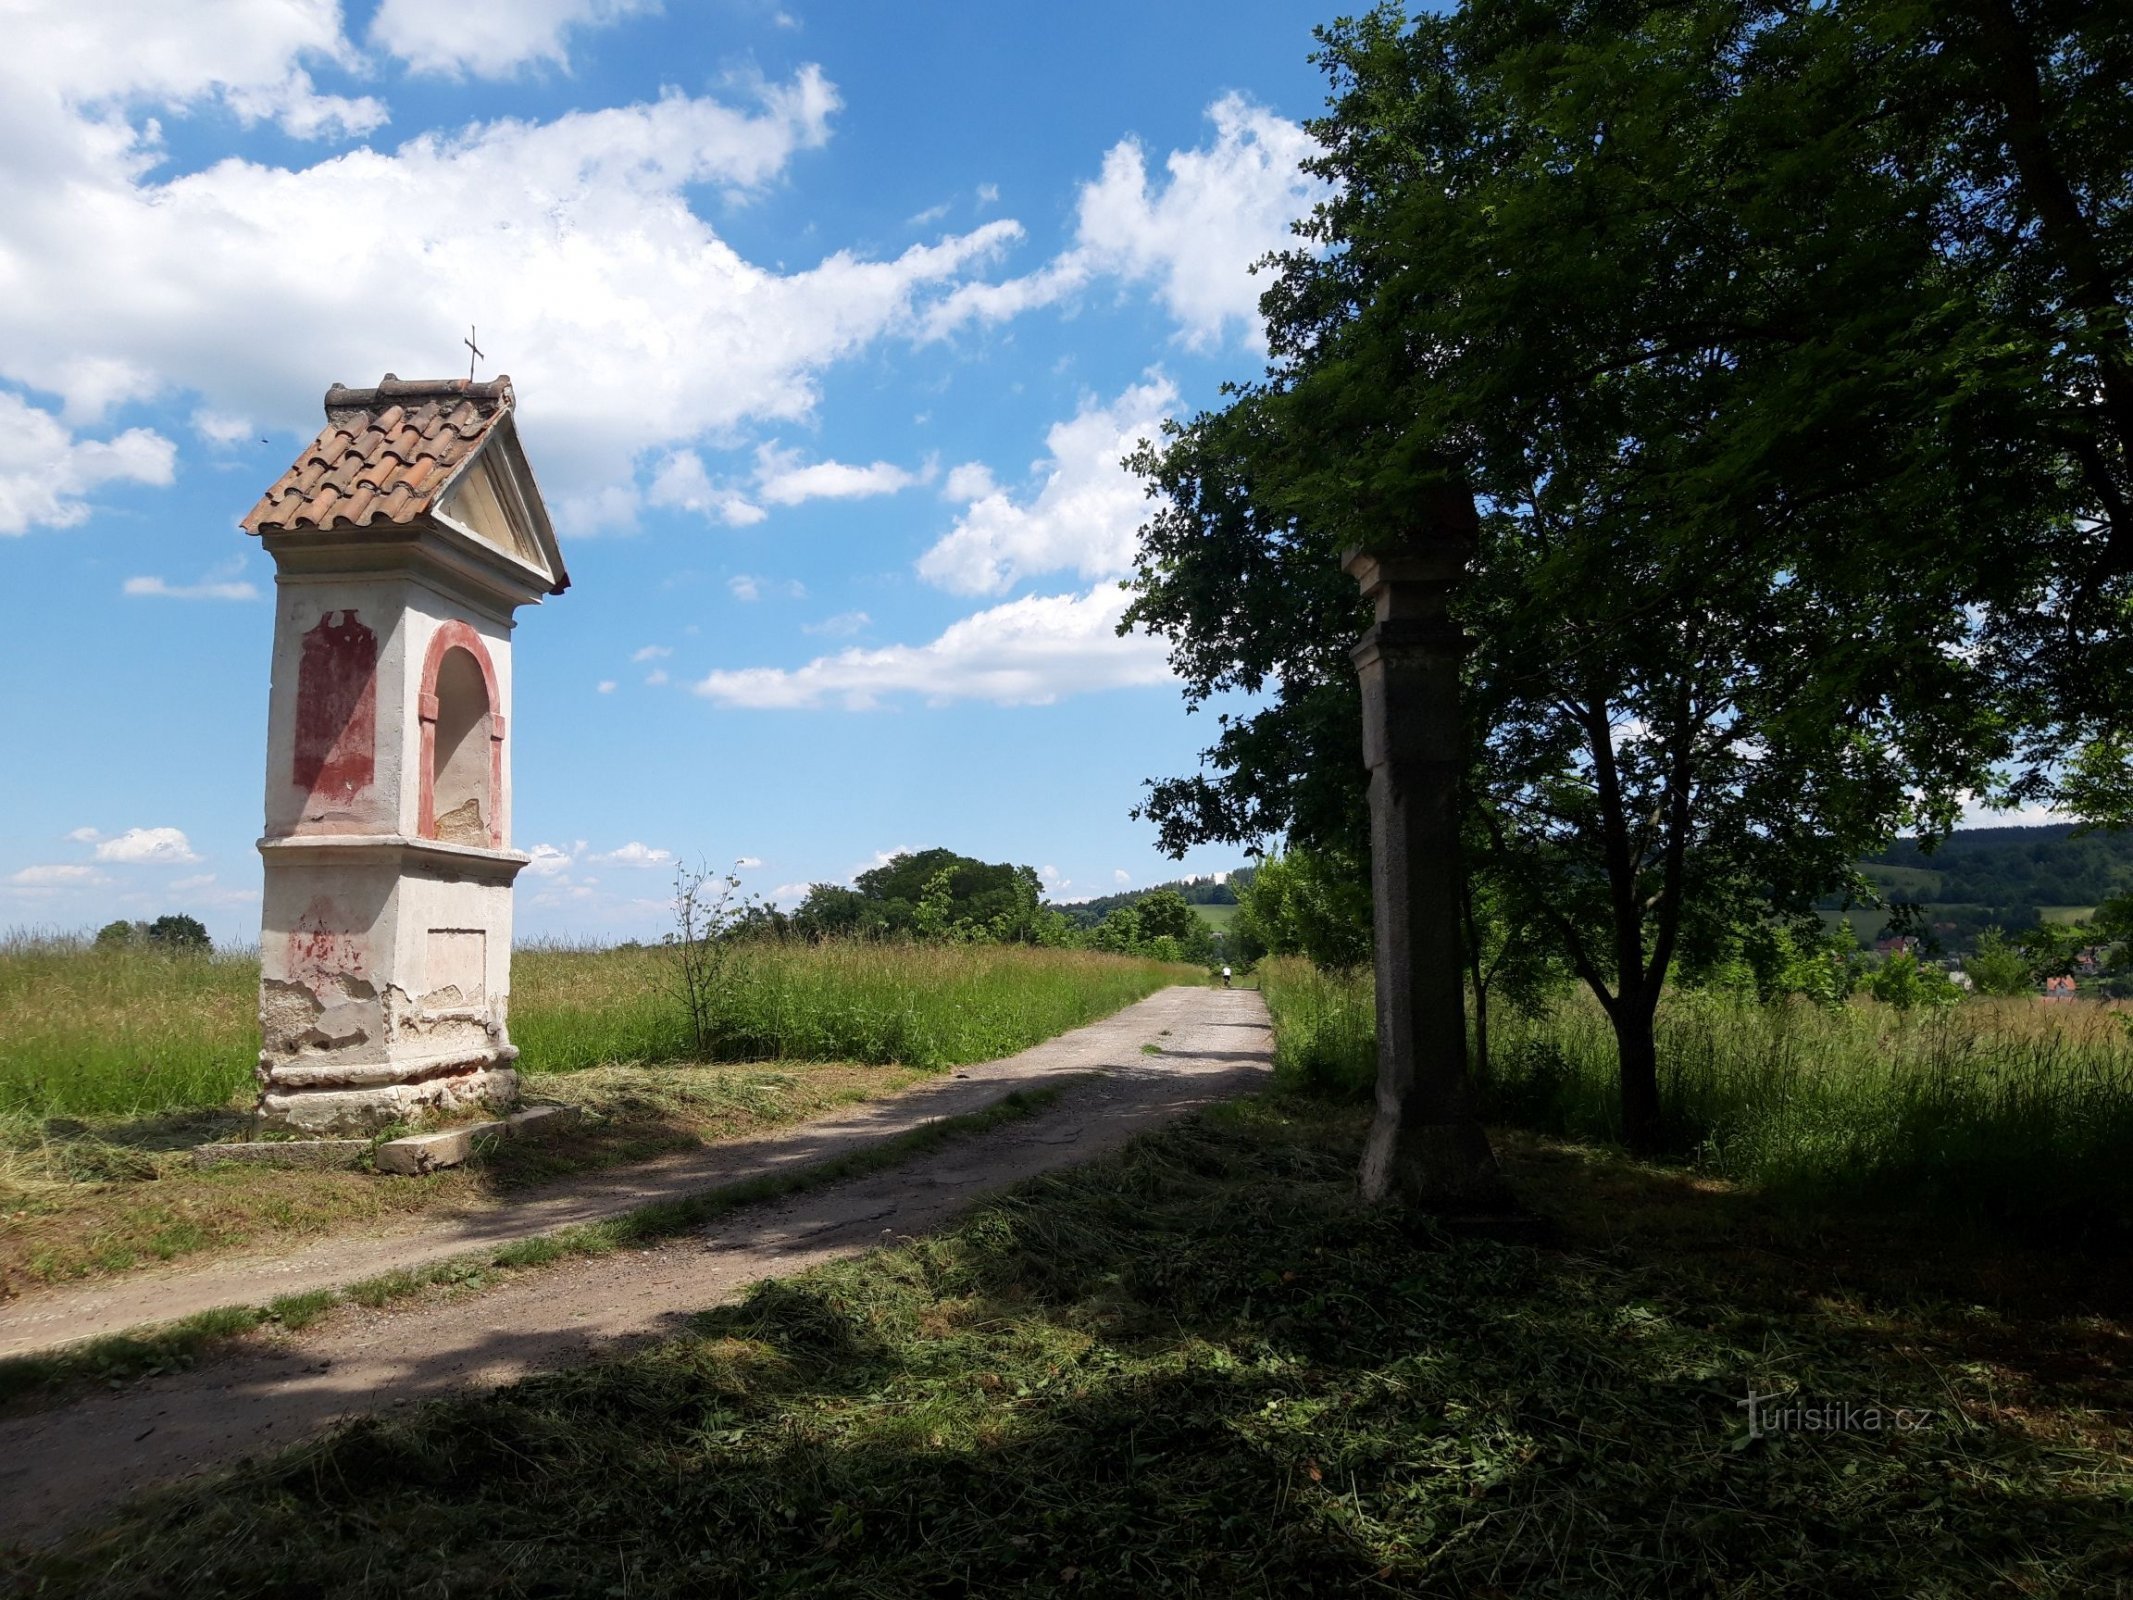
744	588
572	241
1029	652
635	854
682	483
1191	236
158	845
1083	516
45	469
1194	239
652	652
245	55
63	875
490	38
604	686
206	589
548	860
841	626
783	480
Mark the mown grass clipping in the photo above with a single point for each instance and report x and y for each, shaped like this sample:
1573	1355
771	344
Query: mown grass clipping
1201	1368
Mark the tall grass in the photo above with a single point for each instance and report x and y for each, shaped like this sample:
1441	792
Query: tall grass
2012	1110
88	1032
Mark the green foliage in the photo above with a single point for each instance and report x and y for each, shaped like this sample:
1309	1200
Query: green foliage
1311	903
1997	967
932	894
2009	1112
1904	983
175	934
2056	864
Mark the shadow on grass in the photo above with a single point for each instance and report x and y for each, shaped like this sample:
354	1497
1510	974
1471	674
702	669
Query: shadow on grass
1199	1368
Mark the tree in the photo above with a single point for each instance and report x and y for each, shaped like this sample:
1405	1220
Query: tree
931	894
179	932
1997	967
1535	283
1306	903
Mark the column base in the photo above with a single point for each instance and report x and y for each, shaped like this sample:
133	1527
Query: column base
431	1090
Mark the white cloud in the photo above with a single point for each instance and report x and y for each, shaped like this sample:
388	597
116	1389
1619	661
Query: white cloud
548	860
841	626
656	677
605	686
788	894
743	863
682	483
489	38
633	330
784	481
652	652
1121	877
972	480
205	590
1192	239
635	854
220	431
45	469
116	54
85	835
1224	207
161	845
59	876
1029	652
1084	515
744	588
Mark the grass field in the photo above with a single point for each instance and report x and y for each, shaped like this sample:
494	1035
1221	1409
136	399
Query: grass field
2003	1111
113	1065
1199	1368
132	1033
1220	918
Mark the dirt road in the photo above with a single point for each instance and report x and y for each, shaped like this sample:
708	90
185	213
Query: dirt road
66	1464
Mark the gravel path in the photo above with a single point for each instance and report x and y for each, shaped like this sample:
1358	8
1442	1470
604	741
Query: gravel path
66	1464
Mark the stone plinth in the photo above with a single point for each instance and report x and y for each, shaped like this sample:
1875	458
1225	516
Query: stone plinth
1425	1143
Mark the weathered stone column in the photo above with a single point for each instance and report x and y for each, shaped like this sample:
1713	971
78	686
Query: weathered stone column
1426	1145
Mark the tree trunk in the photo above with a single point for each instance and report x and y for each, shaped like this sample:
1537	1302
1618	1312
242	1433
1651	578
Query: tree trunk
1476	979
1637	1052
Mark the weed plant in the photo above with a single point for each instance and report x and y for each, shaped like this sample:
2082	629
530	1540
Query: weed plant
2007	1110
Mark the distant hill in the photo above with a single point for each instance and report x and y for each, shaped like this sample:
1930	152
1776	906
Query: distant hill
2037	866
1217	902
1999	877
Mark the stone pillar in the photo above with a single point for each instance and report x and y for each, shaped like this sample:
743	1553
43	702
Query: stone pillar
1426	1145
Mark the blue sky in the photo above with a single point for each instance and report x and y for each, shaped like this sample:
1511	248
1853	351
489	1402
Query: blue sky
828	323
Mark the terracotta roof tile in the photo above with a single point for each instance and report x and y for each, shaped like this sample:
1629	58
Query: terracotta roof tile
383	454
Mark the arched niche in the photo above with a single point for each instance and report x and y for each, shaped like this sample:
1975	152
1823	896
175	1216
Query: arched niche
462	742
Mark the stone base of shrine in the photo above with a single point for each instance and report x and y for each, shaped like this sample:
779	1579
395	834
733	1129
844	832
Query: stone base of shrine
357	1100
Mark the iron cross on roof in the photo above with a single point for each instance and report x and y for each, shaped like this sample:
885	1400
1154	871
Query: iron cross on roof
477	350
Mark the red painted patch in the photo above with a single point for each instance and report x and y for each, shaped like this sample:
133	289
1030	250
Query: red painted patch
320	948
337	709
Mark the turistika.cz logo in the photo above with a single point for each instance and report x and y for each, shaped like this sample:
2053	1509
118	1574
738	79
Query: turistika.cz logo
1795	1413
